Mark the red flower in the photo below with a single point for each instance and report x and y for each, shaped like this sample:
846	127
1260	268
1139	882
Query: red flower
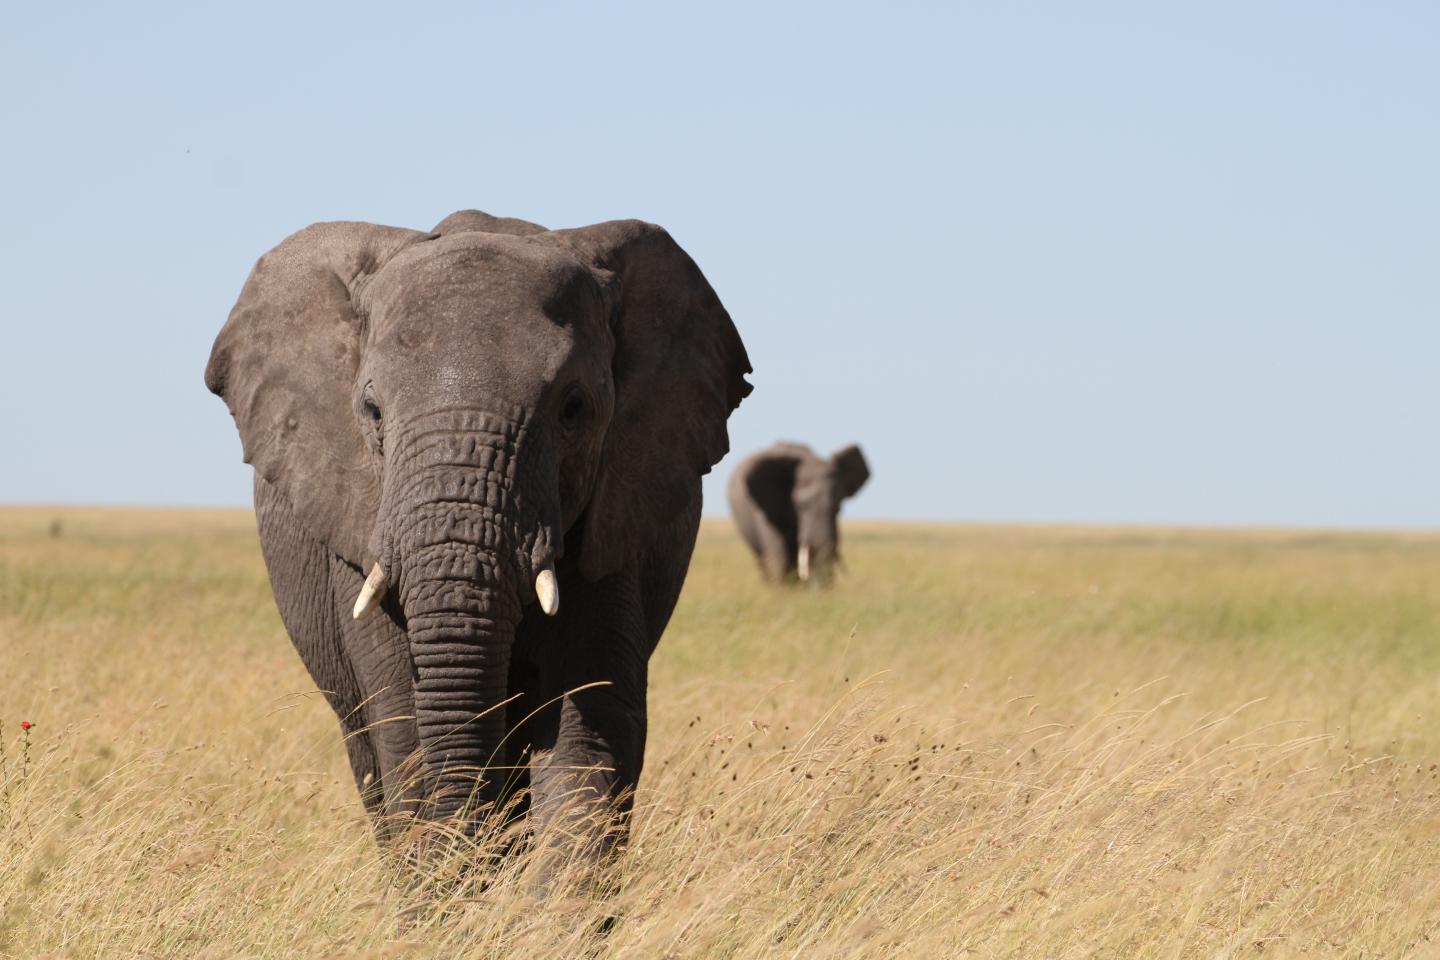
25	724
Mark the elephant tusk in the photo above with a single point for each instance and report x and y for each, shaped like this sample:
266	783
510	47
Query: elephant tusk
547	590
805	562
371	593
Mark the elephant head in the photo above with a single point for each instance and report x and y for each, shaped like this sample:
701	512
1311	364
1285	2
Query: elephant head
473	416
786	502
821	487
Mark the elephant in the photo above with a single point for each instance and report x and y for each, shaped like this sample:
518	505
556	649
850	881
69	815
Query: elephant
446	428
786	504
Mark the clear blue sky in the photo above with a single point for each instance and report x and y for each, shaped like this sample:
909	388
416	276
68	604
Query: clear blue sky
1146	262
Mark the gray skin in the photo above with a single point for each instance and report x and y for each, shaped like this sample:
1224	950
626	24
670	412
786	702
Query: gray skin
786	499
467	407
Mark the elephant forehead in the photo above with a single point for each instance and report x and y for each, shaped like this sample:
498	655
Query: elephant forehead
474	314
453	285
814	480
812	469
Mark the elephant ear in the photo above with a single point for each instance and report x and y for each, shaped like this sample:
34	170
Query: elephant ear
679	370
850	469
285	364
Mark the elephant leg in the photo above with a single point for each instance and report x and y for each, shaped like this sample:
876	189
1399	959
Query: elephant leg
590	752
590	747
777	554
764	540
378	651
299	569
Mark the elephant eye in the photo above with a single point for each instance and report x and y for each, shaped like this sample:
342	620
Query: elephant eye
572	411
371	409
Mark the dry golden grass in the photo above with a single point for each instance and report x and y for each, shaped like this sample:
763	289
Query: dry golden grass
989	742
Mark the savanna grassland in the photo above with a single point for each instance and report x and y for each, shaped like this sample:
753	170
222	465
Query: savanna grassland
986	742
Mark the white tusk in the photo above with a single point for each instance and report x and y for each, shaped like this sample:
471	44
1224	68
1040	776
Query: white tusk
371	593
805	562
547	590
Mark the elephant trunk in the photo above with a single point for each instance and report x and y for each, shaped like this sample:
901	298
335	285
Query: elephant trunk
817	550
816	563
467	544
461	634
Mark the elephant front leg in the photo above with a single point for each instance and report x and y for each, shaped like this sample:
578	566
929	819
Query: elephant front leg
582	787
777	553
377	650
590	750
303	575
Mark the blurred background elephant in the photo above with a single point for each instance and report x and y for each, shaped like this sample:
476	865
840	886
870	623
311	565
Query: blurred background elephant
786	503
452	430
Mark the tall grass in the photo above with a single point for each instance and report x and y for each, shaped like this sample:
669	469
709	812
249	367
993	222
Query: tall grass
990	742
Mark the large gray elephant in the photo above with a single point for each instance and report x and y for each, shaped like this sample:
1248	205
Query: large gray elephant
450	431
786	503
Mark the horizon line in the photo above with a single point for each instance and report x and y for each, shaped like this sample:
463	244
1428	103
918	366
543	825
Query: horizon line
1180	525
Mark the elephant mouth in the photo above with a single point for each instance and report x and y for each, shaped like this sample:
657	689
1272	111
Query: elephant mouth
377	584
